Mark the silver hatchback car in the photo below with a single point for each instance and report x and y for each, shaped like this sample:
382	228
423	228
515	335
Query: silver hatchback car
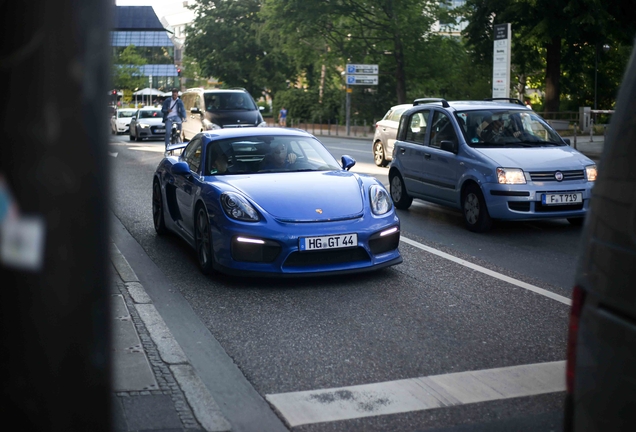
385	133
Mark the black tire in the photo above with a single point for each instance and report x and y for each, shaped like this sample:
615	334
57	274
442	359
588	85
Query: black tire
203	241
378	154
576	221
157	209
399	196
474	209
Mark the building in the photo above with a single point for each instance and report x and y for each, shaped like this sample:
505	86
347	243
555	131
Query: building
452	27
139	26
175	22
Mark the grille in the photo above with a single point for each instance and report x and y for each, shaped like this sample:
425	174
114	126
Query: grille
340	256
548	176
242	125
540	208
519	206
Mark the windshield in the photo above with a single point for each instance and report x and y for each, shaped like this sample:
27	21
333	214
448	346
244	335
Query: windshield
150	114
506	128
126	114
229	102
266	154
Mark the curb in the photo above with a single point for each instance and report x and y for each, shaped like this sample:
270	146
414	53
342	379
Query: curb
204	407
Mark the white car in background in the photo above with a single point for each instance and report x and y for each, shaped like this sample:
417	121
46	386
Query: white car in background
120	121
385	133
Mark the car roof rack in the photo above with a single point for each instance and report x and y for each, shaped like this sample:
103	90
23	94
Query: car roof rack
427	100
514	100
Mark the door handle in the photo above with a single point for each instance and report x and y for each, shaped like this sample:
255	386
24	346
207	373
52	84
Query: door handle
402	150
427	155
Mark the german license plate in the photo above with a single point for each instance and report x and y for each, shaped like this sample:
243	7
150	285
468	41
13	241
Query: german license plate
562	198
328	242
160	130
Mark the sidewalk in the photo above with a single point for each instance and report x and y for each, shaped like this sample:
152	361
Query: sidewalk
592	149
154	386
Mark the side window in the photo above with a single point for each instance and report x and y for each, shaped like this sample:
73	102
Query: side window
396	114
187	102
192	155
441	130
416	127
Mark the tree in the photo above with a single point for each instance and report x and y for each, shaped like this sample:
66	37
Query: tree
225	41
127	71
546	30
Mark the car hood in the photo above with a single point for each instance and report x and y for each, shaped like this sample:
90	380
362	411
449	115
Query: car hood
235	118
306	196
123	121
151	121
537	158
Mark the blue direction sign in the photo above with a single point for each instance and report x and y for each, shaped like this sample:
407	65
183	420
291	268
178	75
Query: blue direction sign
362	80
362	69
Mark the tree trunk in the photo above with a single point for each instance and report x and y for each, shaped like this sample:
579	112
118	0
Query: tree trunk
552	75
400	74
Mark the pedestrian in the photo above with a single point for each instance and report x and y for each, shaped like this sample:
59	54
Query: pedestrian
282	117
173	112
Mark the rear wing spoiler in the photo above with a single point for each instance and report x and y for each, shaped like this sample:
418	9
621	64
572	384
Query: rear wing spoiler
178	146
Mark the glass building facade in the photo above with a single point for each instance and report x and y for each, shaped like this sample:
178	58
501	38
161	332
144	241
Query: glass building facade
140	27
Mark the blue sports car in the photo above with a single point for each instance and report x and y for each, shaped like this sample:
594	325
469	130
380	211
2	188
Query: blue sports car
273	201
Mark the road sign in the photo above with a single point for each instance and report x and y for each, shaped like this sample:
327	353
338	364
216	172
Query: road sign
362	80
365	69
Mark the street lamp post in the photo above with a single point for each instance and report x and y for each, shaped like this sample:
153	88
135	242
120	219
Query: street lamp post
606	48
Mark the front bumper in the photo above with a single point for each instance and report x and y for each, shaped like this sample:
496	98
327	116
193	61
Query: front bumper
524	201
280	254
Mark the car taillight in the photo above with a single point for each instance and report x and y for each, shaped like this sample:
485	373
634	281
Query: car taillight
578	297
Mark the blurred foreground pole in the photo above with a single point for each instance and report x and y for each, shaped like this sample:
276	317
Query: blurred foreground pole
54	70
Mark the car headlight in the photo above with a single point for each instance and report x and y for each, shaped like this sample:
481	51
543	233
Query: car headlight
262	124
237	207
212	126
510	176
590	170
144	125
380	201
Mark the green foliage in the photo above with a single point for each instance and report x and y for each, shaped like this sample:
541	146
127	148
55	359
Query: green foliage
126	70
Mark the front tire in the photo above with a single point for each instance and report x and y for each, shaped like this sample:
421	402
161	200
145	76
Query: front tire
203	241
576	221
474	209
157	209
378	154
399	196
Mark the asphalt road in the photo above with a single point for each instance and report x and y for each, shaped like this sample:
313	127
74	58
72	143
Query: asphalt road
486	305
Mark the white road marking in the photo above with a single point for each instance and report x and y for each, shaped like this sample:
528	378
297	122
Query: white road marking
416	394
156	149
488	272
113	154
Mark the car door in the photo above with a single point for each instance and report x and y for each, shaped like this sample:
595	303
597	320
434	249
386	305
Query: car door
440	168
389	128
188	185
410	151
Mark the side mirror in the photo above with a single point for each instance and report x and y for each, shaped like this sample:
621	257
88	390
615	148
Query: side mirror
449	146
133	118
567	141
347	162
180	168
195	110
